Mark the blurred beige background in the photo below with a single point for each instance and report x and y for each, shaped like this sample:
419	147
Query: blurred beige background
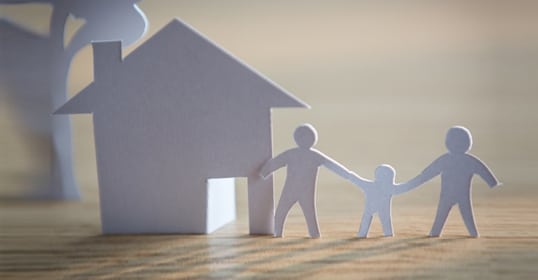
385	80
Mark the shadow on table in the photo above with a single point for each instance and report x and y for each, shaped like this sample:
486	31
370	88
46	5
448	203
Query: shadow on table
200	256
151	255
303	263
344	251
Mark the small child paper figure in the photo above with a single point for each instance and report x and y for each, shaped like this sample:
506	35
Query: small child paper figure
379	197
303	164
457	168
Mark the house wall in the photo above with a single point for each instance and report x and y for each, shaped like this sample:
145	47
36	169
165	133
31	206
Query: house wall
140	191
154	163
173	123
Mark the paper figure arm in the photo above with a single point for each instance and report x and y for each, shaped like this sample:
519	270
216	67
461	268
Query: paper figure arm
334	166
273	164
358	180
411	184
485	173
435	168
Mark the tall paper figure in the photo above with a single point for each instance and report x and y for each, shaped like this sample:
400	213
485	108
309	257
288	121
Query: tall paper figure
379	197
457	168
34	71
303	163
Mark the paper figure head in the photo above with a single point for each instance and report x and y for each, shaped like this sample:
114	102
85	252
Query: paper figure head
458	140
305	136
385	173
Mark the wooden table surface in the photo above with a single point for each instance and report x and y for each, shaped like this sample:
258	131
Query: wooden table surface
53	240
385	82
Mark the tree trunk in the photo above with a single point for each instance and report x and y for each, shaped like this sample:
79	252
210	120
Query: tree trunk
62	183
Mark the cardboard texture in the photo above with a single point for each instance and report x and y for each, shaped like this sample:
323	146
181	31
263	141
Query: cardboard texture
33	75
302	164
177	111
457	168
379	197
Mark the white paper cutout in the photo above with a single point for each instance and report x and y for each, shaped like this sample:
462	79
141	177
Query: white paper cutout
378	197
302	165
220	202
34	71
457	167
175	112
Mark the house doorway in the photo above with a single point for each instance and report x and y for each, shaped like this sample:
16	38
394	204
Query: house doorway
221	205
228	204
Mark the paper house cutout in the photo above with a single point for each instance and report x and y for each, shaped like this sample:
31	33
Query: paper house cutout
171	120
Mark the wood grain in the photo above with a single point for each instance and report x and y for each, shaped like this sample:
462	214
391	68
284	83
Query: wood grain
61	240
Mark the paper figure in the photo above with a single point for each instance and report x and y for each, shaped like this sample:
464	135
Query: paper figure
302	164
457	168
378	199
33	75
172	120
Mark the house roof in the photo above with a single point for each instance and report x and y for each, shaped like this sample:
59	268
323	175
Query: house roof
179	43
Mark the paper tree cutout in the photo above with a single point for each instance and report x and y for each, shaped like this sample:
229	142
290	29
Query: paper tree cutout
302	165
34	71
457	167
379	197
171	120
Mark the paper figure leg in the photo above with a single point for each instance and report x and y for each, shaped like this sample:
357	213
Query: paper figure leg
365	225
386	223
309	210
284	206
466	211
440	218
